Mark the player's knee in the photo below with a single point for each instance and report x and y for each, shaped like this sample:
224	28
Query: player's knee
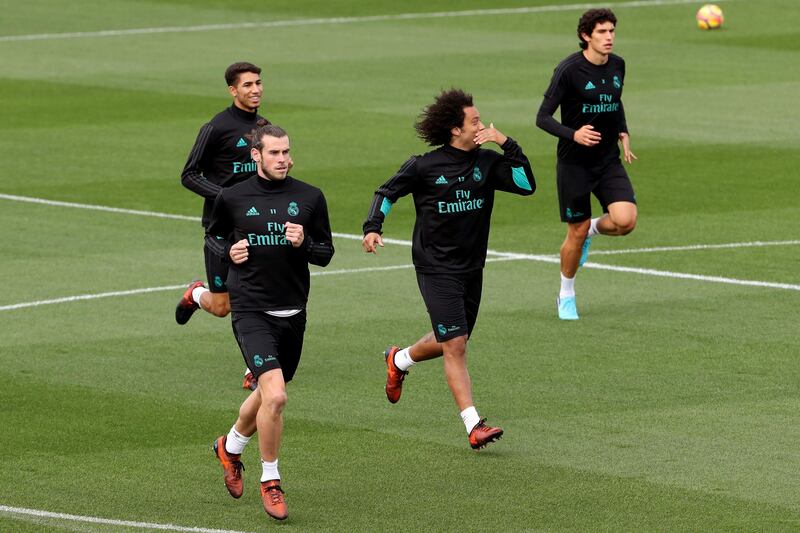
456	347
579	231
626	224
275	402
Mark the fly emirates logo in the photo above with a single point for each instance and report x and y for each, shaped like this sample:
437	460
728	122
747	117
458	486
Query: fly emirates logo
275	236
606	105
464	202
238	166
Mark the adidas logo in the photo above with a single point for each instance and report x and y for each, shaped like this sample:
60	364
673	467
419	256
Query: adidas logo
441	181
242	143
253	212
589	86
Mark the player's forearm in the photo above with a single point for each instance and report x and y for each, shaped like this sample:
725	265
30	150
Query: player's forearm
378	210
197	183
549	124
623	123
516	172
320	253
513	152
219	246
192	176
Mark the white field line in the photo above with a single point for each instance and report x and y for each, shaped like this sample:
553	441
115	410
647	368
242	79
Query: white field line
692	247
402	242
67	299
658	273
107	521
493	256
697	277
337	20
131	292
56	203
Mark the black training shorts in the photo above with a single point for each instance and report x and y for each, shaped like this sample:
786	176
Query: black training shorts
216	271
269	342
607	181
452	301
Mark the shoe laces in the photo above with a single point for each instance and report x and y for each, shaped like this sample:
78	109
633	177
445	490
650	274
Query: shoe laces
275	494
237	468
480	426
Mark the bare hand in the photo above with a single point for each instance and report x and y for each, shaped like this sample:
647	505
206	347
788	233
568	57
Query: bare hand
586	136
239	252
370	242
490	134
627	155
294	233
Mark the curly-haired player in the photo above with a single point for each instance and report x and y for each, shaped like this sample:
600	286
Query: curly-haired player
453	188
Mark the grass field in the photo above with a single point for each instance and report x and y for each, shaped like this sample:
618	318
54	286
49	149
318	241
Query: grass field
673	404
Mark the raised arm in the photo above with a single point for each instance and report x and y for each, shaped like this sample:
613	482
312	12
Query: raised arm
513	172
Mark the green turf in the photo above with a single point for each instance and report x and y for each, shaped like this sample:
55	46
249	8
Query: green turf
671	405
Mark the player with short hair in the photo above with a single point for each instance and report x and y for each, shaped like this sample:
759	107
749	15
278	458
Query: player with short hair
453	188
268	229
587	85
220	158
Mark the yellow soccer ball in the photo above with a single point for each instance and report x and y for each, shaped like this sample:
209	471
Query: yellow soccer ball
709	17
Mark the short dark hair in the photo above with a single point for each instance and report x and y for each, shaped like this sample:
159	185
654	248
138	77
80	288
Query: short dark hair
232	72
268	130
592	18
445	113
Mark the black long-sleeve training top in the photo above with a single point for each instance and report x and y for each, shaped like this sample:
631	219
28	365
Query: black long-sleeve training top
220	156
453	193
587	94
275	276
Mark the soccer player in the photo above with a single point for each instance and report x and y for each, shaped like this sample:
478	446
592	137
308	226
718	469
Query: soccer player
268	229
220	158
587	85
453	188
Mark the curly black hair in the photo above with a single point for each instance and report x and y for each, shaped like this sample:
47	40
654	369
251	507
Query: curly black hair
445	113
592	18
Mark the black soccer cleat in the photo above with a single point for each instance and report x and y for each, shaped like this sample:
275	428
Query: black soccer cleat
187	306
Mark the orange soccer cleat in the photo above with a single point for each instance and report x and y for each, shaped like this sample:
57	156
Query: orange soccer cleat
274	501
249	382
481	435
394	376
231	466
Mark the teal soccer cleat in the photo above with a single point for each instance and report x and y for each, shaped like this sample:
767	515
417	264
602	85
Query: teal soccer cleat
585	251
566	308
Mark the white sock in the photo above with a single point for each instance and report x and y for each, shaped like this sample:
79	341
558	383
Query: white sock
235	442
567	287
593	228
470	418
197	292
269	470
402	360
